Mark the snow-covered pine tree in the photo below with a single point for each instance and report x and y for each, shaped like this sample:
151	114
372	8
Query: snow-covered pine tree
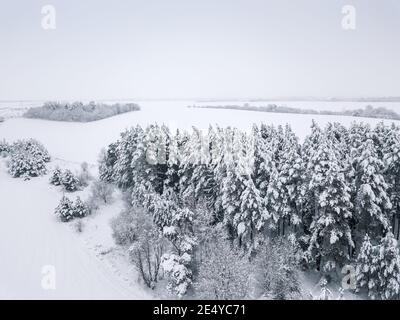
311	142
389	271
391	159
339	136
127	148
80	209
244	209
308	149
69	181
372	203
264	139
56	177
330	233
197	183
249	219
65	210
173	177
365	268
286	182
176	224
359	133
107	160
378	268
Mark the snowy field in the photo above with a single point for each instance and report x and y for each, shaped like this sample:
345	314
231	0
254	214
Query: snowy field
81	262
77	142
88	264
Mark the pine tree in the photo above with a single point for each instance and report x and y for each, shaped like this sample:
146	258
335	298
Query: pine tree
69	181
56	177
249	218
391	158
286	183
378	268
65	209
330	230
372	202
80	209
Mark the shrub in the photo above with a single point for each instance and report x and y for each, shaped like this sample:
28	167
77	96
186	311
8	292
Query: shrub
78	226
276	270
147	251
84	176
28	159
102	190
124	228
68	210
224	275
69	181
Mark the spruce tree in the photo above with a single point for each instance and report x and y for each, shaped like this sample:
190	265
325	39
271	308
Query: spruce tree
372	203
330	233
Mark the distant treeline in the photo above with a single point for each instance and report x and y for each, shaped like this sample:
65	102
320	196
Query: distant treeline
78	111
367	112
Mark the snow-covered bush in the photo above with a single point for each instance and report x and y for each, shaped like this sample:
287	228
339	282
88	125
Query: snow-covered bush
277	265
84	175
224	275
69	181
102	191
146	252
28	158
78	226
176	267
125	230
68	210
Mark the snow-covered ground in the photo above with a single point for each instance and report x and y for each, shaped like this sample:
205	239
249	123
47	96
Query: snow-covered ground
86	266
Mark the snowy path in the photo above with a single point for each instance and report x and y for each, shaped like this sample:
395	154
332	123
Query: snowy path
31	238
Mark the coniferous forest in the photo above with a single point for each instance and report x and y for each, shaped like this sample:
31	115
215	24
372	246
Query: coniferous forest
225	213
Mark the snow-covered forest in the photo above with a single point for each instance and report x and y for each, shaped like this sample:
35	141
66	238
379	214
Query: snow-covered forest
368	111
329	202
78	111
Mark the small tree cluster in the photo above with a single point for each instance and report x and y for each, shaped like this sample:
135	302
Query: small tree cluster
28	158
66	179
68	210
378	268
78	111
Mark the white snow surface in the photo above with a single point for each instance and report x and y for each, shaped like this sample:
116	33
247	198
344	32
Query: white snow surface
31	238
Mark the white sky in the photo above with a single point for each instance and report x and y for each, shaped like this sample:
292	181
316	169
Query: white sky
198	49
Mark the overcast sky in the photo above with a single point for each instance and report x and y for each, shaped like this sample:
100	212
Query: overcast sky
198	49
